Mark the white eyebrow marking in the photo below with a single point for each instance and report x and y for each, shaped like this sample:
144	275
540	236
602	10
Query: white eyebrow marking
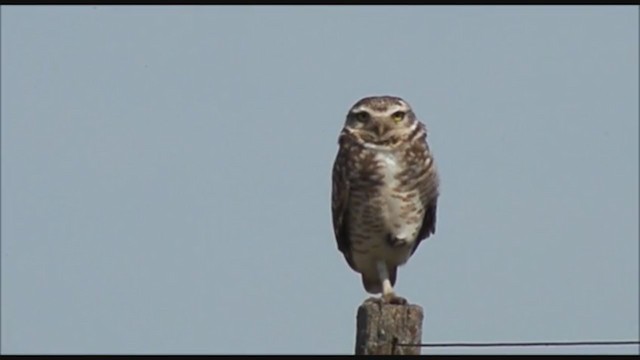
390	110
360	109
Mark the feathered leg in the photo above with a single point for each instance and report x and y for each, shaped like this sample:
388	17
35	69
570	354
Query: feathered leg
388	294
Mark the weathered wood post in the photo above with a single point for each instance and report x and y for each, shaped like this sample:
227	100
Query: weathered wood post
381	326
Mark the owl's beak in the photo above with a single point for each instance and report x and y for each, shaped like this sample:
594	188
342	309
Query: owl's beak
380	129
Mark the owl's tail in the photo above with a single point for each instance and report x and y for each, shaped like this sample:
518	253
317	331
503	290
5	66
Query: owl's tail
372	283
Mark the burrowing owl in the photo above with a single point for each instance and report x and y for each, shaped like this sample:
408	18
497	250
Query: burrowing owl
385	190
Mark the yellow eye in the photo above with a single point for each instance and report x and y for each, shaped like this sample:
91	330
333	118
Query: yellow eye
398	116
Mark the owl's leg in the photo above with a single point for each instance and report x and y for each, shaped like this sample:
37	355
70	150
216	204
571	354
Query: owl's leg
388	294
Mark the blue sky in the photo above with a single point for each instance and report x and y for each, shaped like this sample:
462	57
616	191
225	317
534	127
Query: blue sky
166	175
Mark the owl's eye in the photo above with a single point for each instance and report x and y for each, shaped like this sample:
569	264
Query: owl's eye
362	116
398	116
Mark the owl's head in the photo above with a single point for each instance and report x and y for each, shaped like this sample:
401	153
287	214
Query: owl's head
381	119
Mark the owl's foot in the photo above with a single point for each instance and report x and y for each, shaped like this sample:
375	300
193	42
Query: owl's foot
394	299
388	295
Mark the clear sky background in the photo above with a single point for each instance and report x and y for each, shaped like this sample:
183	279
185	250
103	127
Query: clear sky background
166	175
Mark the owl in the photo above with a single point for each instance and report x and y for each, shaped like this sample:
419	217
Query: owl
385	191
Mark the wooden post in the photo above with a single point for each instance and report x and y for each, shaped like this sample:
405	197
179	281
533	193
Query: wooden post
380	326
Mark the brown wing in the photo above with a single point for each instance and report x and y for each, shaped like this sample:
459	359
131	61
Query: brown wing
428	224
429	193
340	201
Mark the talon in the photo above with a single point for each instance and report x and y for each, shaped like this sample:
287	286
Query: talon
398	300
394	299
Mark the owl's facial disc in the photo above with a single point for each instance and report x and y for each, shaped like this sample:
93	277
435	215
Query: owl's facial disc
380	120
